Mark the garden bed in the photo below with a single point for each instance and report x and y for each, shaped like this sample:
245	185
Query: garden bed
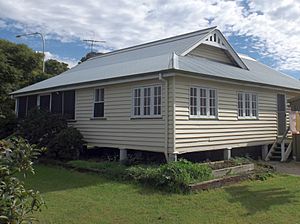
219	182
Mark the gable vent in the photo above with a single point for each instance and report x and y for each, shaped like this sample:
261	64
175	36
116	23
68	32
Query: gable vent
215	40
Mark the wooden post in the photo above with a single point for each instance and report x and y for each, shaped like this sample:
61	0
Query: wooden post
264	151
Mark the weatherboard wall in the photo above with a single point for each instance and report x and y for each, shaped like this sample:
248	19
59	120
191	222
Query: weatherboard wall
213	53
118	129
226	131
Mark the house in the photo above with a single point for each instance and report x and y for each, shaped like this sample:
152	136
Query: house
183	94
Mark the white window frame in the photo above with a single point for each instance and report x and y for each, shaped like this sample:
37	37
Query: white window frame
100	101
244	105
152	115
207	116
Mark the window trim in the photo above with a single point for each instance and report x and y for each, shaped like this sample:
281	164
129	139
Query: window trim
244	117
94	101
50	100
198	116
152	115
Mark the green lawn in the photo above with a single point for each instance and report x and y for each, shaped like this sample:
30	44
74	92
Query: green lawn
73	197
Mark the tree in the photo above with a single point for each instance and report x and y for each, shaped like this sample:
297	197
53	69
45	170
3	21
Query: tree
54	67
17	203
20	66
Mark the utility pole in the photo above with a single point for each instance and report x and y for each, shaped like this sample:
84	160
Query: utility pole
91	42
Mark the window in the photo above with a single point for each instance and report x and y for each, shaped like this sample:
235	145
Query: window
203	102
157	100
45	102
147	101
137	102
193	101
57	103
31	102
22	106
69	104
25	104
99	103
247	105
63	103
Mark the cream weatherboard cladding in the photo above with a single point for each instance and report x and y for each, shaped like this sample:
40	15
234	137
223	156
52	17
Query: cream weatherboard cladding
227	131
118	128
213	53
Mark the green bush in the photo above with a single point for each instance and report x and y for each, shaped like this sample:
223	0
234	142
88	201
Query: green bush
17	203
174	176
8	124
67	144
51	131
40	127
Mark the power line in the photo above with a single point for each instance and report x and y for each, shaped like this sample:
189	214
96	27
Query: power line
91	42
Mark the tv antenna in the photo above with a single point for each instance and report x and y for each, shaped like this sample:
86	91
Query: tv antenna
92	42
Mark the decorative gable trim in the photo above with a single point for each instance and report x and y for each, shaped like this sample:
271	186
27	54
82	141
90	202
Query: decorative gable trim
215	38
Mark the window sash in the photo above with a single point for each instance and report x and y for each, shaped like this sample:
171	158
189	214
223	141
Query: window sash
99	106
203	102
147	101
247	105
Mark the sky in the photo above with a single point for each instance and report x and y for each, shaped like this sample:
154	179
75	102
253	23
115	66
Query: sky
267	30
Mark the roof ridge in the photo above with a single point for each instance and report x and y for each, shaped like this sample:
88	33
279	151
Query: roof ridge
153	43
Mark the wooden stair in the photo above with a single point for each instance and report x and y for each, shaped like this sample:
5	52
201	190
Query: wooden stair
281	148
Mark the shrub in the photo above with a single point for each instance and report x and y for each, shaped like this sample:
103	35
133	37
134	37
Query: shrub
67	144
40	127
174	176
8	124
17	203
49	130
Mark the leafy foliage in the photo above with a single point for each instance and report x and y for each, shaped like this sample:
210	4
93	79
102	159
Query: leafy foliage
51	131
17	203
40	127
20	66
67	144
54	67
173	177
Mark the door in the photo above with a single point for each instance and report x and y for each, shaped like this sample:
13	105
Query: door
281	114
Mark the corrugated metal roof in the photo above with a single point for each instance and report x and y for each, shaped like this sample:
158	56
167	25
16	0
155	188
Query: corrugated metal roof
157	56
257	73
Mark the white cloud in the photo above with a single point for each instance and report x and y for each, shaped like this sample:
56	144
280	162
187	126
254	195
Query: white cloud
272	25
70	61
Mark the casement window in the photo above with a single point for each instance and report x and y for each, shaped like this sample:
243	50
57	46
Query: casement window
45	102
22	106
31	102
63	103
69	104
203	102
147	101
99	103
25	104
247	105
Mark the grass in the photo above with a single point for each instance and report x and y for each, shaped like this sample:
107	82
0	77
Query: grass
73	197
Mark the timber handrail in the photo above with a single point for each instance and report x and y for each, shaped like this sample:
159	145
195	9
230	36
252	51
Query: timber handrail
279	140
284	135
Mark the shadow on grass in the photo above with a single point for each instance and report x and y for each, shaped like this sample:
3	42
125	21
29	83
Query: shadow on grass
53	178
259	200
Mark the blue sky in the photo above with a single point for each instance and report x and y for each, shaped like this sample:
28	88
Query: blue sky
265	30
